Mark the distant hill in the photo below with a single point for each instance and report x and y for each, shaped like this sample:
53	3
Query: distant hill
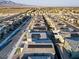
6	3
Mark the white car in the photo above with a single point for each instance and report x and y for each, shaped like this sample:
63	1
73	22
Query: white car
58	37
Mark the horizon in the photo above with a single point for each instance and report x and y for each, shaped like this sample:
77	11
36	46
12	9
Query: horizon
52	3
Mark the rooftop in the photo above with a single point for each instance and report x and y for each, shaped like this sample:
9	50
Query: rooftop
38	56
39	49
1	26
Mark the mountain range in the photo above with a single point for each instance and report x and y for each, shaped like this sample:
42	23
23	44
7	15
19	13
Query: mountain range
8	3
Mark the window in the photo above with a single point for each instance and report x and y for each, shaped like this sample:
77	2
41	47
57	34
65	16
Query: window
35	36
40	46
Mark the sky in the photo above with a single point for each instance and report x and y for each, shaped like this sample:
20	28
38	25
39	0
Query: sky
49	2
